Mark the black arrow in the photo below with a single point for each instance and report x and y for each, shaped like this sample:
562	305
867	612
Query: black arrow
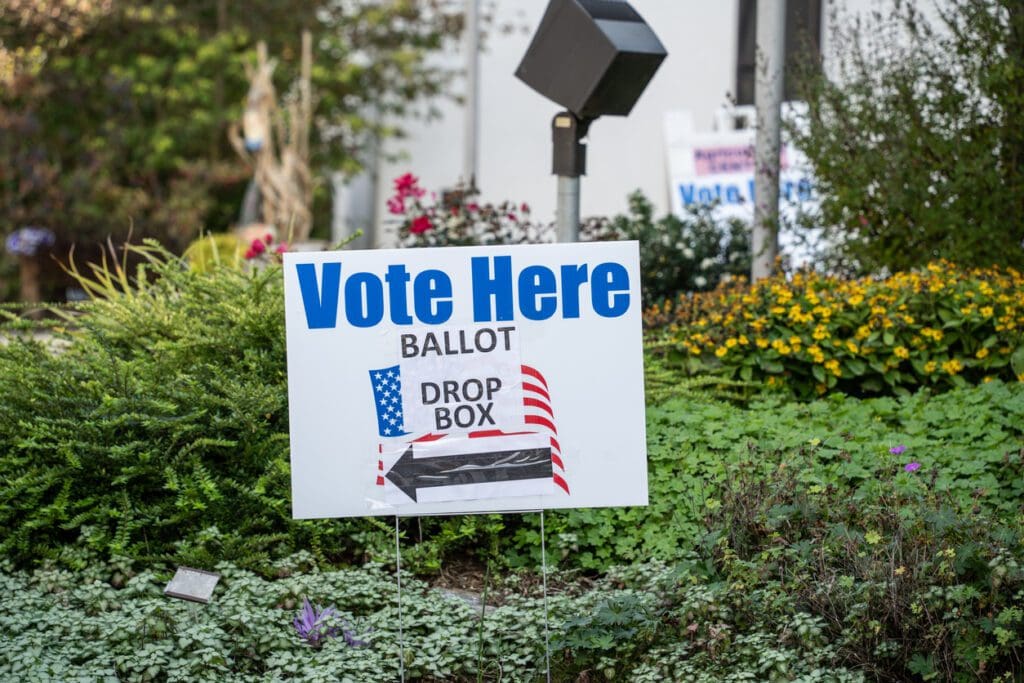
411	473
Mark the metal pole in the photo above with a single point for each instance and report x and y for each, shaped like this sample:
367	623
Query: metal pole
544	578
771	34
398	578
472	131
567	213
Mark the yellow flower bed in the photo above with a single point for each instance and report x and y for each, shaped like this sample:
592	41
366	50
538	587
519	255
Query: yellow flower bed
934	327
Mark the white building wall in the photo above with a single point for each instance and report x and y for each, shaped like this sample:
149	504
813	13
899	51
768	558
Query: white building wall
623	154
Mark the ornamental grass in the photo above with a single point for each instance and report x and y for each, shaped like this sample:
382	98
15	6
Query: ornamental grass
809	333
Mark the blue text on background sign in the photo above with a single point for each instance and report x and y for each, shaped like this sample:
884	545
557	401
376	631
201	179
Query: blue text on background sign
537	291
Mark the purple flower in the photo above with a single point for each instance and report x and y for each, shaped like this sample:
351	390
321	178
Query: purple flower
311	626
912	467
898	450
29	241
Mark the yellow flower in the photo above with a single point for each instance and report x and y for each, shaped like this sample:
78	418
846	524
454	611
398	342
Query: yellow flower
930	366
777	310
851	347
900	570
721	351
856	300
743	340
986	379
761	342
987	311
730	342
833	367
901	352
863	332
952	366
820	333
982	353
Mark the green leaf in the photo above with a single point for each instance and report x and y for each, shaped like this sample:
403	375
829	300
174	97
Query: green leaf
818	372
1017	361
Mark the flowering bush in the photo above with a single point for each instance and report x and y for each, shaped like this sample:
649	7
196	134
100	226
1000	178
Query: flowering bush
938	327
462	222
677	255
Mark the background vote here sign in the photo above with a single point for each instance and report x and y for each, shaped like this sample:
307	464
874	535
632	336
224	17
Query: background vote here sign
467	379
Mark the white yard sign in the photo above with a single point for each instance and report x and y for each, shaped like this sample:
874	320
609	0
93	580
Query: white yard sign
475	379
717	167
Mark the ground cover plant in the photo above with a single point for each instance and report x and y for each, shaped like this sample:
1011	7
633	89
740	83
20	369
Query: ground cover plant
789	580
938	327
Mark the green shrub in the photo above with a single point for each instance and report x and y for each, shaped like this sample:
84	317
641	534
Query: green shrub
916	136
969	440
902	581
677	255
160	428
937	328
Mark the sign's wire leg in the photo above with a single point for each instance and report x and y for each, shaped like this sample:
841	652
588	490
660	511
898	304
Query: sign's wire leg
544	583
398	578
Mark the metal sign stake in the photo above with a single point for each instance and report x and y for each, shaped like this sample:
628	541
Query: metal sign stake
544	583
398	578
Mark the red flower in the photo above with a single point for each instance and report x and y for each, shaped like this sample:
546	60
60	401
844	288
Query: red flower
525	208
268	238
404	183
396	205
420	225
281	248
249	254
472	207
408	185
257	247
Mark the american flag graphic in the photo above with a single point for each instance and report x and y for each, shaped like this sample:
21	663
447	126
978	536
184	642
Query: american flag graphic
387	399
538	415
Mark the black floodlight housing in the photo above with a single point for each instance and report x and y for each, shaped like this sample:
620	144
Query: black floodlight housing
593	57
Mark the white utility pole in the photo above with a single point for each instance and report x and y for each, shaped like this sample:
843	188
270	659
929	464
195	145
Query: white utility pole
472	132
770	50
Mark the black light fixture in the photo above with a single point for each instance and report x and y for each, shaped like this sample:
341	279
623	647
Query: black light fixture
595	58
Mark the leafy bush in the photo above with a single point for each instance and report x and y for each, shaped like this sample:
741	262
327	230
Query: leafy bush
938	328
901	580
969	440
692	254
916	136
159	428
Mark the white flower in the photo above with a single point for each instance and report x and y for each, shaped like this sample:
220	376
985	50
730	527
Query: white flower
707	263
700	281
688	253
